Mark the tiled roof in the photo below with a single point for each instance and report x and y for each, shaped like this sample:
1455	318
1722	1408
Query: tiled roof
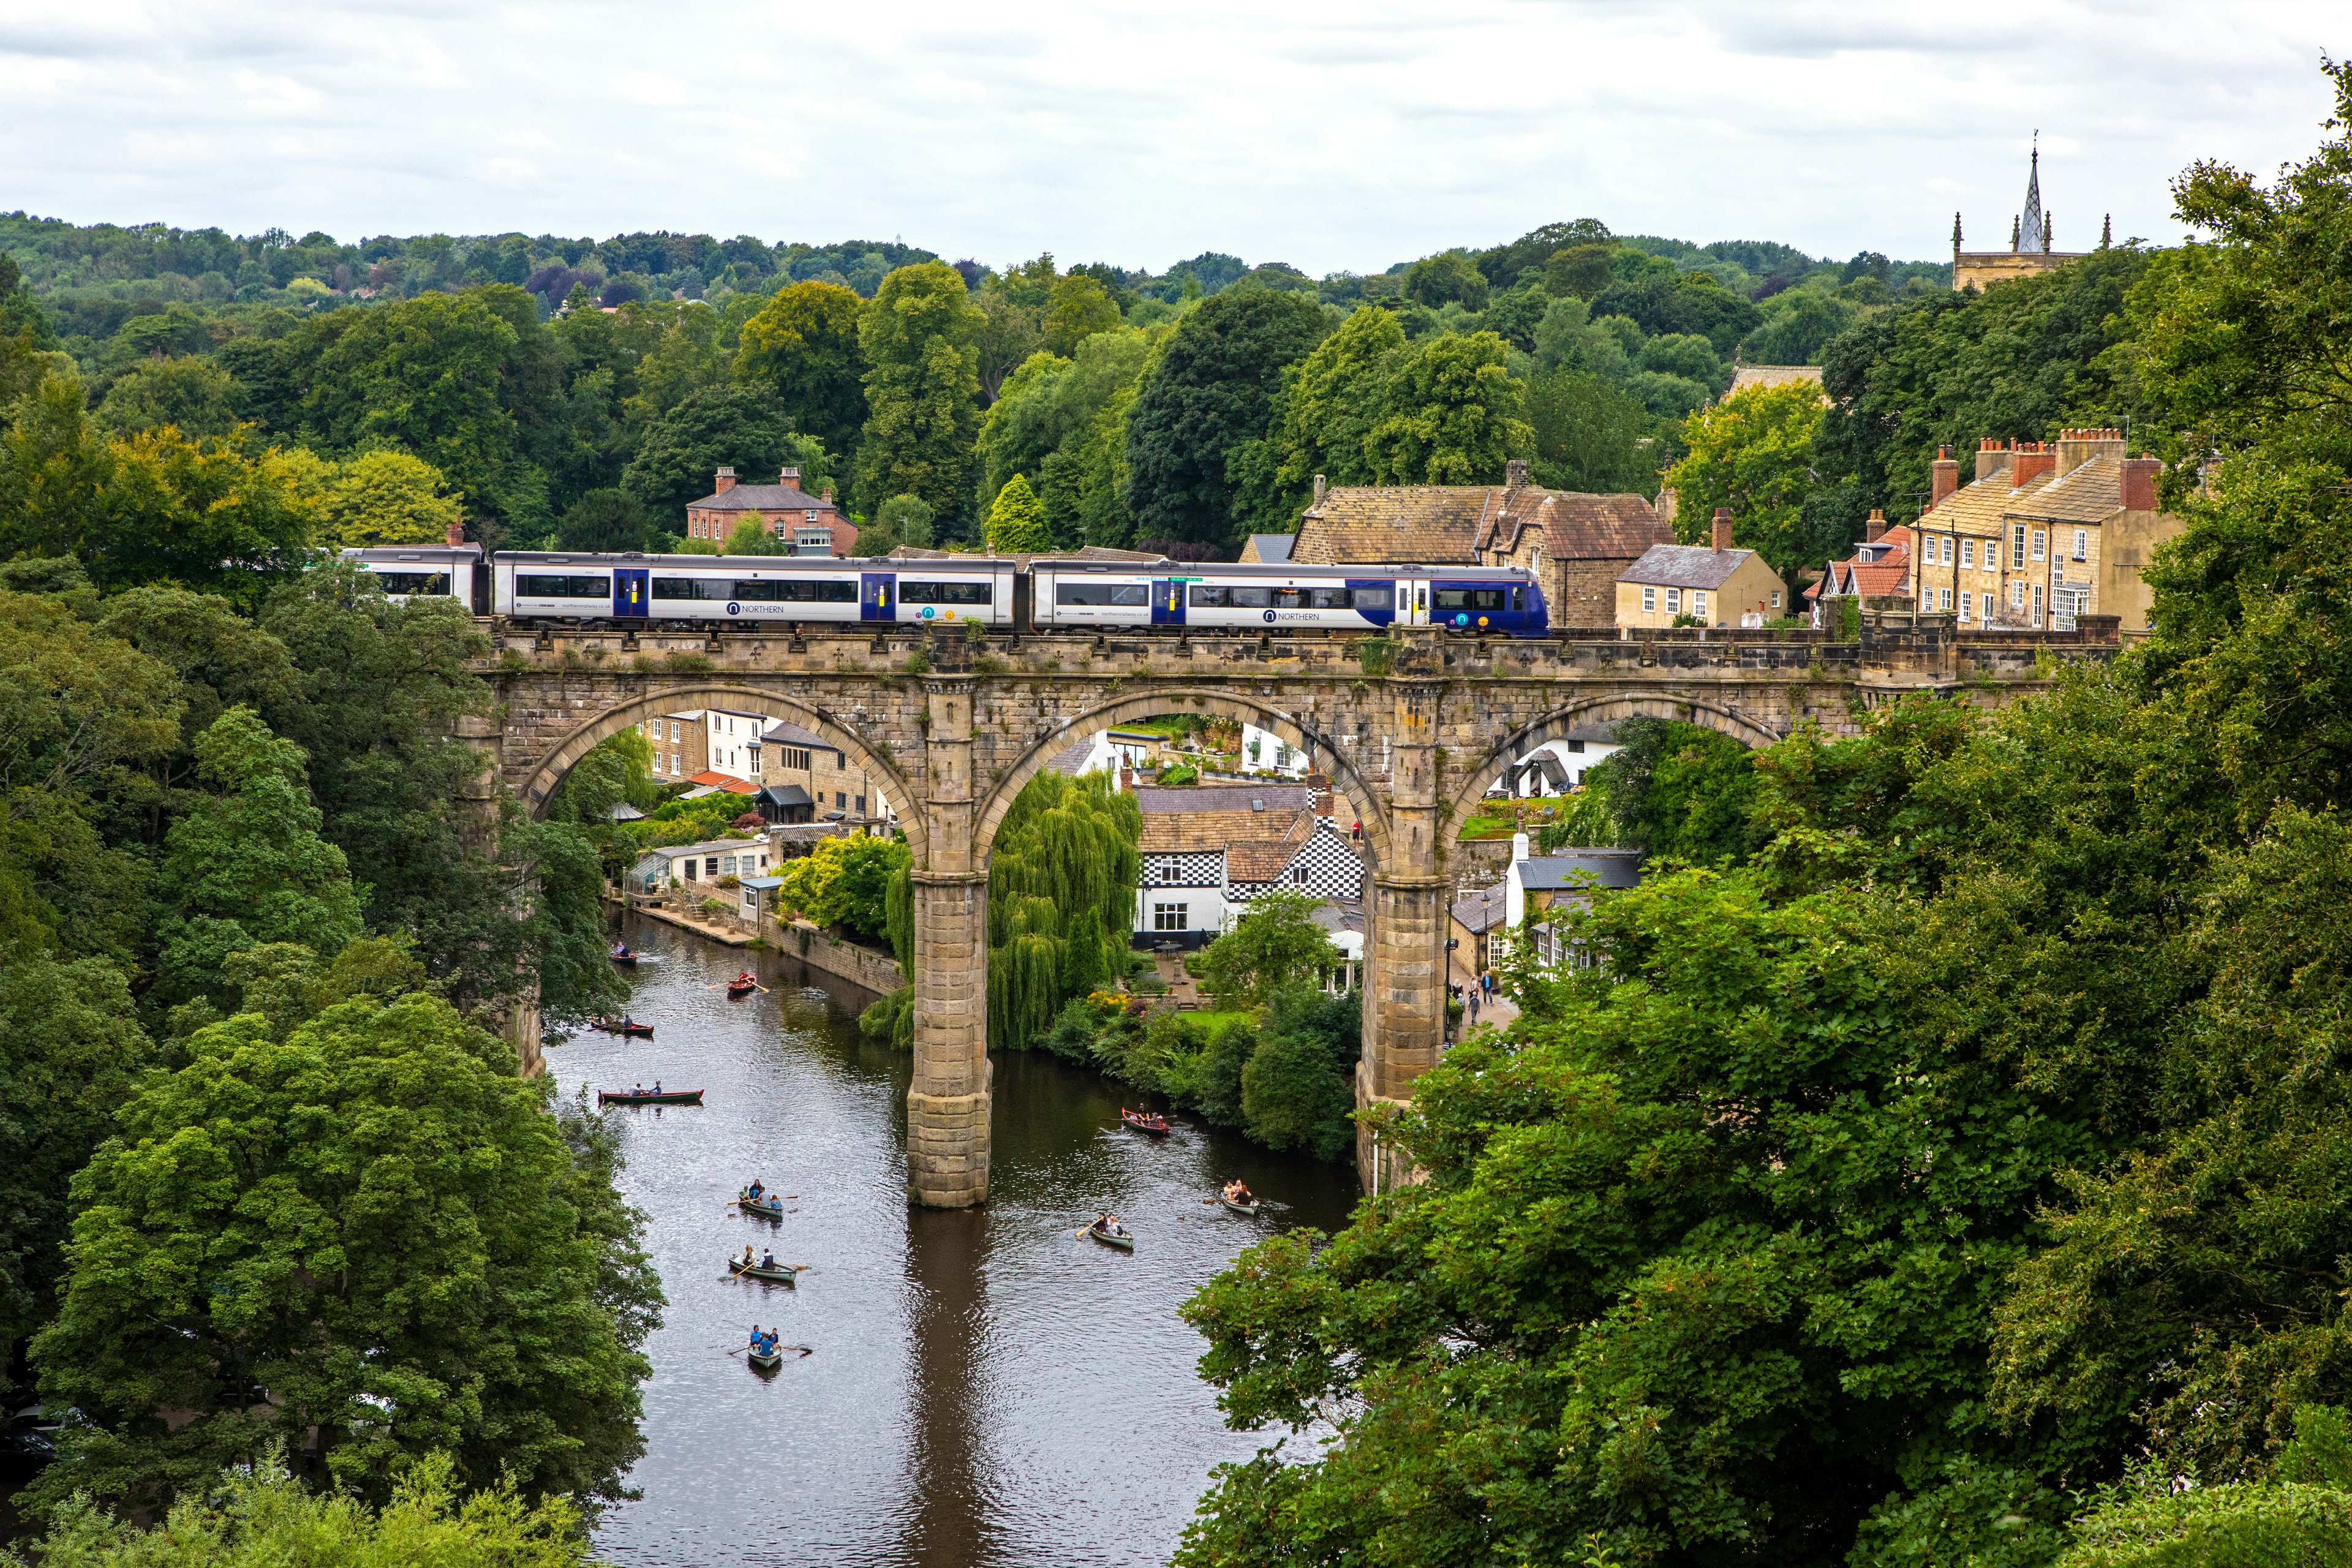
760	498
2092	492
713	779
1250	800
1576	526
1871	579
1393	523
1684	566
1748	375
1265	859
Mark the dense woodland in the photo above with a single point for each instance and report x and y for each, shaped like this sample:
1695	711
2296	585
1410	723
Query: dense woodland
1946	1163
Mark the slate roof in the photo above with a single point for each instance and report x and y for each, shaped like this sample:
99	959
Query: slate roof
1575	526
707	847
783	732
1684	566
785	794
1271	548
760	498
1482	911
1195	799
1580	868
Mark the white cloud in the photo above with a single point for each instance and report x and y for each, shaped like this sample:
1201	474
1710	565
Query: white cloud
1330	136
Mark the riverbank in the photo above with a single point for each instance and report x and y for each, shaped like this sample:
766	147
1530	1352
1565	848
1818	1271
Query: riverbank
861	967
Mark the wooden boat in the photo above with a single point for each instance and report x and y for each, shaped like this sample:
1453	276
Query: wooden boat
782	1274
766	1361
619	1026
632	1097
624	955
1144	1121
766	1209
1248	1210
741	987
1122	1238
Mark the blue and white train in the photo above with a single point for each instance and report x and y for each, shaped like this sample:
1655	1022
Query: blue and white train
1043	594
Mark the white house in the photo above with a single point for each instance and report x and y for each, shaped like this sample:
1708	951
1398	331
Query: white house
689	868
1538	882
1262	750
697	740
1557	766
1107	751
1209	849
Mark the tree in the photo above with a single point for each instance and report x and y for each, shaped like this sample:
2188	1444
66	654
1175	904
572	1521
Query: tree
922	388
1022	429
1276	943
341	1214
1079	308
1016	523
901	520
738	426
190	394
245	866
425	374
1446	279
387	498
1590	438
1578	272
846	882
1334	398
1452	416
1213	390
604	520
802	348
1296	1088
1061	899
262	1514
1753	453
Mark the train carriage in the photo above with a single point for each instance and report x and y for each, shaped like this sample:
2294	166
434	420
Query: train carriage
748	589
1287	598
428	571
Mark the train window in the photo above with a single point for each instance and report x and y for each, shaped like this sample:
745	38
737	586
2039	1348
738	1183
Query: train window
980	593
1331	598
1252	598
1209	596
1374	598
1471	598
535	586
414	582
687	588
795	591
1133	595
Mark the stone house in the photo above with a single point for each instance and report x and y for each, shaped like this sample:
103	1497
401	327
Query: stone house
1575	544
802	523
1722	586
694	742
1209	849
805	778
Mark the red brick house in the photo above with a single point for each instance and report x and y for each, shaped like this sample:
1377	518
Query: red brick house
792	515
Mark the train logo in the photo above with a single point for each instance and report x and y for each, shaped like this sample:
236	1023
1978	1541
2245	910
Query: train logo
733	608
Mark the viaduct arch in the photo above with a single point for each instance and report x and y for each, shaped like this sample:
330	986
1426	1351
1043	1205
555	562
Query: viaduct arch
952	726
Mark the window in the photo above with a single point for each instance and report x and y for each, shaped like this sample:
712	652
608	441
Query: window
1968	552
1776	598
1225	597
1944	597
2017	596
1171	917
711	868
1674	601
1650	600
540	586
688	864
416	582
1988	606
2017	544
2082	542
2037	604
1298	875
840	801
2040	541
1572	746
1964	607
674	764
1698	601
727	865
1474	599
795	591
968	593
861	805
1126	596
795	757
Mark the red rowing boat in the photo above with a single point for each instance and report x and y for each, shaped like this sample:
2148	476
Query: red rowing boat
1144	1121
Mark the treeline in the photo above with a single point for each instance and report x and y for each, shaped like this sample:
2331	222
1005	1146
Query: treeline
1945	1164
577	395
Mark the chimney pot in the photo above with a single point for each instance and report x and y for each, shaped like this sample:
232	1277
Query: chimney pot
1992	456
1319	489
725	480
2031	459
457	531
1515	473
1722	528
1876	529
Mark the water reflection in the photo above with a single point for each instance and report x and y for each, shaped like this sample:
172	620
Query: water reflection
986	1388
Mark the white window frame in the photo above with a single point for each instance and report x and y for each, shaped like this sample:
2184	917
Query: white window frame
2082	543
2017	545
1674	601
1699	603
1172	917
2041	545
1968	553
1648	601
1965	597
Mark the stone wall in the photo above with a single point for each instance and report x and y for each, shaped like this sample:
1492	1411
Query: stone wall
862	967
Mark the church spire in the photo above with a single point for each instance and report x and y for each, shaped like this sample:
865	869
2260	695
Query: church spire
2029	229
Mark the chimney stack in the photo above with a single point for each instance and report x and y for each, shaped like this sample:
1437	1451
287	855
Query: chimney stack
790	479
828	495
2140	482
457	531
1722	528
725	480
1515	474
2076	447
1946	477
1319	489
2030	459
1992	456
1876	529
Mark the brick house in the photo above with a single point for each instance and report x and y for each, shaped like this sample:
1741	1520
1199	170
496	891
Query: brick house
1576	545
809	525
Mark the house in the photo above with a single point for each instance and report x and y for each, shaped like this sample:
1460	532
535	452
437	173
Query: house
812	525
1209	849
805	777
1715	583
1263	751
1107	751
697	740
696	868
1878	573
1536	883
758	896
2047	533
1267	549
1479	920
1574	544
1342	921
1558	765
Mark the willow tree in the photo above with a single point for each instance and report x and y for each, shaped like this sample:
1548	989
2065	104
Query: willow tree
1061	899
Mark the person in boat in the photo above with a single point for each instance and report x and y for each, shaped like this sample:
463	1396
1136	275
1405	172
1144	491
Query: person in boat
755	1189
1237	1192
639	1090
767	1260
747	1255
657	1086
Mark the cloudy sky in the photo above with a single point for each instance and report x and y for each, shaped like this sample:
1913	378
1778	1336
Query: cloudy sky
1330	136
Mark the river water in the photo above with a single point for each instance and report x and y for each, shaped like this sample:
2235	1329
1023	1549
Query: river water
984	1389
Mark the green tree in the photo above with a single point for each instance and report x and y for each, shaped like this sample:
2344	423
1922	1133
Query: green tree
802	348
1061	899
1578	272
1296	1088
736	427
1079	308
1212	390
1276	943
424	374
193	395
604	520
901	520
1453	415
846	882
1022	429
1680	302
922	388
1590	438
1754	454
1333	399
386	497
341	1214
1446	279
1016	522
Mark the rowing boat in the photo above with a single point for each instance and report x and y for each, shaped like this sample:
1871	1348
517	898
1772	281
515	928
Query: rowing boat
1122	1238
648	1097
766	1209
782	1274
765	1361
1143	1122
738	989
636	1030
1248	1209
624	955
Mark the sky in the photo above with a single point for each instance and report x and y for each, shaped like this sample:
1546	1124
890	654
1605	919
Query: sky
1333	137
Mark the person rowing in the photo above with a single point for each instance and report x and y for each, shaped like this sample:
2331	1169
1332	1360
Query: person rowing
1237	1192
767	1260
755	1189
747	1255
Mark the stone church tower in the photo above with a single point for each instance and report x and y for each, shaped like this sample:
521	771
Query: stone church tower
2029	250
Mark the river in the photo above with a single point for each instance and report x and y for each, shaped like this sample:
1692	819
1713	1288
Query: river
985	1389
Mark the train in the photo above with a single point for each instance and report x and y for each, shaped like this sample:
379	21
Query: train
1041	594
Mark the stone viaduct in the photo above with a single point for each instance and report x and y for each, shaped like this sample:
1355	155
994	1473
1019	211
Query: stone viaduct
1412	731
